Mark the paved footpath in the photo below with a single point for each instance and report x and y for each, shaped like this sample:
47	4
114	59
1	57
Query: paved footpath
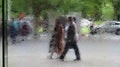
0	53
94	53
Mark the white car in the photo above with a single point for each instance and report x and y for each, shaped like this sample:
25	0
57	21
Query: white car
111	26
85	22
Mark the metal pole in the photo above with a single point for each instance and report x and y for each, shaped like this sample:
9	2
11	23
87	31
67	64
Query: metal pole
4	31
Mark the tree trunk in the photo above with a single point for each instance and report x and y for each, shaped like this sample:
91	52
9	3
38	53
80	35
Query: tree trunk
36	25
117	11
98	13
37	22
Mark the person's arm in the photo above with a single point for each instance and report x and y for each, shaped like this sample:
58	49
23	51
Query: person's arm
63	32
75	32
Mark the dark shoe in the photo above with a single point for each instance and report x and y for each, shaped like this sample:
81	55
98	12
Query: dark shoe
76	59
22	39
62	59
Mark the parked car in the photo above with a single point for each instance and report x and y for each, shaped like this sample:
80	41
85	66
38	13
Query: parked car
111	27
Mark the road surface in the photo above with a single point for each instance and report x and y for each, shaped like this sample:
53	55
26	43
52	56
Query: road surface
95	52
0	53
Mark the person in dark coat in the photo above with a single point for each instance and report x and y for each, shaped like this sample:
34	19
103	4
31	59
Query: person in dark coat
13	33
71	42
24	30
13	30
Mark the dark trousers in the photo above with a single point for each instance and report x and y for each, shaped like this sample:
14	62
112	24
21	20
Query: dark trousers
13	39
68	46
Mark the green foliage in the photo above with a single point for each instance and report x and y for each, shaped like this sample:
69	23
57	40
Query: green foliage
108	12
89	8
116	4
19	6
92	8
5	9
85	30
41	5
71	5
0	8
98	22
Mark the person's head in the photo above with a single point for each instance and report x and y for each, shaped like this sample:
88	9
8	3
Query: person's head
70	19
57	22
12	18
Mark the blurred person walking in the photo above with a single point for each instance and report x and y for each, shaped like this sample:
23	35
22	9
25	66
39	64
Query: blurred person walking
13	30
71	41
57	41
24	31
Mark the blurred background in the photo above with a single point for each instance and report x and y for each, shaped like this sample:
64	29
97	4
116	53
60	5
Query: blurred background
98	28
